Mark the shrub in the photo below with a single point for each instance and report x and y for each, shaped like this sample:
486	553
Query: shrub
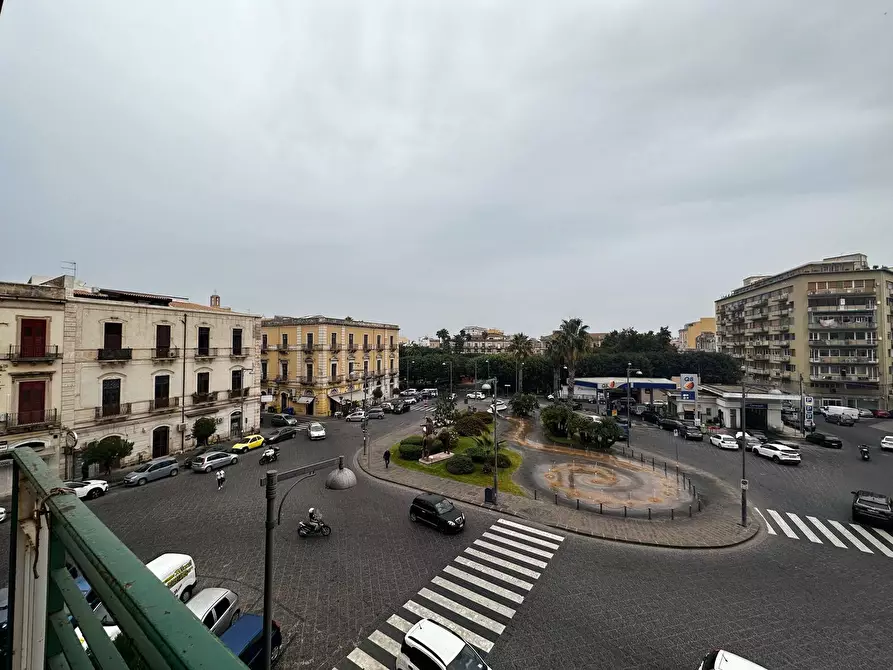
460	465
479	454
413	439
469	426
485	418
202	429
487	469
410	452
435	446
503	460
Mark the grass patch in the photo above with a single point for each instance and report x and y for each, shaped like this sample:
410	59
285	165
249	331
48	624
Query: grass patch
476	478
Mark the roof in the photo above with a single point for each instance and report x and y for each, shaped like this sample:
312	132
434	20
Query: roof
242	632
431	497
278	320
194	305
614	383
201	601
120	294
438	639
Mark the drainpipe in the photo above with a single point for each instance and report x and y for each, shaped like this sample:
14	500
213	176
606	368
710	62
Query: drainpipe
183	398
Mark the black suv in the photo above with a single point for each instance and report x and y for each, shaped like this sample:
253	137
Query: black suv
691	432
872	507
825	440
671	424
438	511
400	407
282	420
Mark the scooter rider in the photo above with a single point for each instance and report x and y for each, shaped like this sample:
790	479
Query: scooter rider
269	453
314	519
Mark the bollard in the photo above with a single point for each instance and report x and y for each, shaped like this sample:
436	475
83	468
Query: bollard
632	452
665	468
652	463
624	511
699	504
534	494
556	498
695	491
689	511
649	514
671	513
578	503
642	458
600	508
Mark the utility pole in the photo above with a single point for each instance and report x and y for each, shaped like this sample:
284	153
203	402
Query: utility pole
743	441
802	409
183	399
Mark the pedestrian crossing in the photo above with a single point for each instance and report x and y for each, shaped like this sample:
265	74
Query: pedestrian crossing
868	540
419	407
475	596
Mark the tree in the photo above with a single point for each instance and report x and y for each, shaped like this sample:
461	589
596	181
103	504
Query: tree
445	409
459	340
486	442
554	357
107	452
202	429
521	348
573	341
523	404
444	336
377	393
557	419
601	434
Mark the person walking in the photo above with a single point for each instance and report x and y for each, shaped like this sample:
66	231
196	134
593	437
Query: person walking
387	458
221	479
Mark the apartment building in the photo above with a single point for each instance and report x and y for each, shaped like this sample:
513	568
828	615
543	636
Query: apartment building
826	322
690	332
314	364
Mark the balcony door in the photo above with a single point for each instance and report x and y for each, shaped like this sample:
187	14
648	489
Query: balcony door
161	440
34	338
32	402
162	340
111	397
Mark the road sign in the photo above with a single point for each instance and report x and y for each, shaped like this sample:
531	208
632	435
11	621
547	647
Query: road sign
744	484
613	412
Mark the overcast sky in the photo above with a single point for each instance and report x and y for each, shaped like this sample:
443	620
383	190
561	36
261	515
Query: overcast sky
444	163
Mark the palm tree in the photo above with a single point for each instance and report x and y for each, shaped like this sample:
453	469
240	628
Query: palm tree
573	341
521	348
554	357
485	442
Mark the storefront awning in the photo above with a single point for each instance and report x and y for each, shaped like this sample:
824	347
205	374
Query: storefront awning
305	400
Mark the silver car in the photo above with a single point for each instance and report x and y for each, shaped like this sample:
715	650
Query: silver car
316	431
157	468
218	609
213	460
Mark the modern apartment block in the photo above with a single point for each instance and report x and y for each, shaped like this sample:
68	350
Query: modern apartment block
826	323
314	364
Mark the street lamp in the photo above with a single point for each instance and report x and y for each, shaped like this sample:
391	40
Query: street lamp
339	479
488	368
242	405
486	387
451	376
743	422
629	421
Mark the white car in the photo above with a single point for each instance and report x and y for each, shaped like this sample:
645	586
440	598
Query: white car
410	400
316	431
356	415
749	440
551	396
89	488
724	441
726	660
475	395
779	453
408	392
887	442
500	407
430	645
865	414
2	514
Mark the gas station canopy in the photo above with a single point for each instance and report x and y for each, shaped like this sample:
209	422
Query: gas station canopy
618	383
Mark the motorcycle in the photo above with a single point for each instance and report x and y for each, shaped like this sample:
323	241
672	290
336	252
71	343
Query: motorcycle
305	529
270	456
864	452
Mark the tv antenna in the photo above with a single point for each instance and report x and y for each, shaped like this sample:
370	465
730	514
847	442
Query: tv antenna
70	266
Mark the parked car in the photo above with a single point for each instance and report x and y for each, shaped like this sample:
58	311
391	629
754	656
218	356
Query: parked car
846	420
750	441
245	638
187	462
670	424
157	468
2	514
720	659
865	414
375	413
479	395
429	645
500	407
760	435
89	489
356	415
778	453
387	406
825	440
280	420
881	413
651	416
316	431
400	407
408	392
724	441
410	400
691	432
212	461
870	507
887	442
248	443
282	434
436	511
217	608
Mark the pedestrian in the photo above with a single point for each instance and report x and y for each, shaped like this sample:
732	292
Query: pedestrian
387	458
221	478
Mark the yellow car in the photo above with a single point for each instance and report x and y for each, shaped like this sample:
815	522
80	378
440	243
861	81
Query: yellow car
248	443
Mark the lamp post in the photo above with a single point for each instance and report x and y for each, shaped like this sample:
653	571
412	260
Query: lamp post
629	421
488	367
339	479
451	376
242	404
743	440
486	387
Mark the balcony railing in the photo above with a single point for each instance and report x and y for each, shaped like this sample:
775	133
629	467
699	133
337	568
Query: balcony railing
843	291
307	348
32	354
354	375
844	325
238	393
31	420
335	348
165	353
367	347
159	404
842	378
843	359
202	398
842	308
844	342
336	379
352	347
54	535
114	354
113	411
304	379
283	351
206	352
264	348
238	352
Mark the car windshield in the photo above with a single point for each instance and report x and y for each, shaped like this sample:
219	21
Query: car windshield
876	503
466	660
444	506
143	467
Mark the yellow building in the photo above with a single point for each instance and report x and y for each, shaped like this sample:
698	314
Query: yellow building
688	334
316	363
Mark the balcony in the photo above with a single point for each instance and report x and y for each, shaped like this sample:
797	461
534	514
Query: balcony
32	354
264	348
367	348
761	357
843	291
352	348
165	353
307	348
786	374
238	393
843	325
336	379
354	376
780	358
111	412
841	308
335	348
843	359
842	378
161	404
53	530
23	422
114	355
238	352
846	342
307	381
205	353
204	398
784	297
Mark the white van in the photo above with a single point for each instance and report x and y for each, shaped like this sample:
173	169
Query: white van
177	571
834	409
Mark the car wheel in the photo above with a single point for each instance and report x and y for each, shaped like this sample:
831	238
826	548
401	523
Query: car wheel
93	494
207	469
186	595
174	472
274	654
141	481
412	516
775	459
234	460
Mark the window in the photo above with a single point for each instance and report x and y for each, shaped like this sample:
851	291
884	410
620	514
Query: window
365	341
285	340
283	369
33	338
203	382
378	366
111	396
309	340
237	341
334	369
309	372
162	340
162	387
392	365
365	367
334	340
204	341
350	367
112	336
378	341
263	369
236	380
221	607
350	340
420	660
392	341
263	342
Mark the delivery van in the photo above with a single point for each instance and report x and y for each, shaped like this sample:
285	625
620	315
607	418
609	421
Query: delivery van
836	409
177	571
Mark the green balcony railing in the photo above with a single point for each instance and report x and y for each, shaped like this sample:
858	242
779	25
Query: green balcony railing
54	533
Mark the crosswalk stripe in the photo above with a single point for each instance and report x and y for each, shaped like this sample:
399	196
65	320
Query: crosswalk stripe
463	611
484	584
510	553
812	537
526	538
483	601
832	538
481	643
399	623
518	545
364	660
785	528
855	541
884	534
769	527
388	644
871	538
528	529
492	572
533	574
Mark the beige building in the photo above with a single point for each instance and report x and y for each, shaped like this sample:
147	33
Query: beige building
689	333
827	322
314	364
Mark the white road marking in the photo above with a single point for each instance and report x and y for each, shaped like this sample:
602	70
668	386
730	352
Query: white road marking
832	538
785	528
511	554
884	534
492	572
769	528
483	601
462	611
871	538
856	542
399	623
528	529
812	537
525	537
473	638
505	564
518	545
484	584
364	660
388	644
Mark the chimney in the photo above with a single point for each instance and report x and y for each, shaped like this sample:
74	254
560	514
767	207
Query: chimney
215	300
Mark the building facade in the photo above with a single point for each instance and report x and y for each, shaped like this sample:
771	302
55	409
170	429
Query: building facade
689	333
826	323
312	365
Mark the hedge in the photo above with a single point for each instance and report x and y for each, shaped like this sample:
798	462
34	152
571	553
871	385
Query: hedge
460	465
470	426
412	439
485	417
503	460
479	454
410	452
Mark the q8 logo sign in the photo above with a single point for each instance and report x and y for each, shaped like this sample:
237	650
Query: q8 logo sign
689	387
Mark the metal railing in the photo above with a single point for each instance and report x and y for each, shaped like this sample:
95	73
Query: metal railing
56	537
31	419
202	398
112	411
238	352
165	353
114	354
845	325
206	352
33	353
843	291
238	393
842	308
164	403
